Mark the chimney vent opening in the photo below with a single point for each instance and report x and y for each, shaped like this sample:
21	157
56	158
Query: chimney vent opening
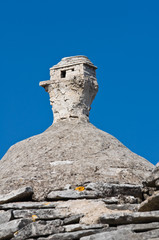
63	74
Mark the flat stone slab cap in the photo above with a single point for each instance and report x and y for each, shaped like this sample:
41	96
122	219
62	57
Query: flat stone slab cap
16	195
69	61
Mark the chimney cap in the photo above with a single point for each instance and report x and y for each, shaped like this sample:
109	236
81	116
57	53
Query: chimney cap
75	60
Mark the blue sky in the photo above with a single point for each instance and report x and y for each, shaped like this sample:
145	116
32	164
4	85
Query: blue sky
120	37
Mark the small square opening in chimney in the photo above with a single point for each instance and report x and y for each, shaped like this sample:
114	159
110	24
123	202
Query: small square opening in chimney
63	74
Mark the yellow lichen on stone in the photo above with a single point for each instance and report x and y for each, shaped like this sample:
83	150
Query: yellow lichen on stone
34	217
80	188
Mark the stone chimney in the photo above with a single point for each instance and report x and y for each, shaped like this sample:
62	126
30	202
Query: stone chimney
72	88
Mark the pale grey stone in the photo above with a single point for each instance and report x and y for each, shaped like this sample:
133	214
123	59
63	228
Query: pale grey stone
101	190
157	183
111	190
140	227
56	141
153	178
15	195
8	229
150	204
112	235
90	209
71	235
28	205
56	163
78	227
145	196
72	219
123	234
145	235
126	217
71	194
41	228
130	199
111	200
71	94
153	238
41	213
130	207
5	216
152	191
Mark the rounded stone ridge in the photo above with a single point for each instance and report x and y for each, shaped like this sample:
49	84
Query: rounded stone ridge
69	61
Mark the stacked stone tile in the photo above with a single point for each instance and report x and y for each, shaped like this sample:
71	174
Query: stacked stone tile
75	181
86	213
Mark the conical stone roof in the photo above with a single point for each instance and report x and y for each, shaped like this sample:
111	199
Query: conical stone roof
72	151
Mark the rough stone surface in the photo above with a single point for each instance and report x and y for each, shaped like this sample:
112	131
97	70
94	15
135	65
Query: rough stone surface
71	194
127	218
111	200
109	190
140	227
114	235
77	227
154	238
5	216
8	229
41	228
152	179
150	204
86	153
27	205
123	235
72	219
91	210
120	207
72	88
20	194
103	158
71	235
40	213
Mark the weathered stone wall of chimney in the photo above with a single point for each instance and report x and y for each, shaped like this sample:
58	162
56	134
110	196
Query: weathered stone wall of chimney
72	88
